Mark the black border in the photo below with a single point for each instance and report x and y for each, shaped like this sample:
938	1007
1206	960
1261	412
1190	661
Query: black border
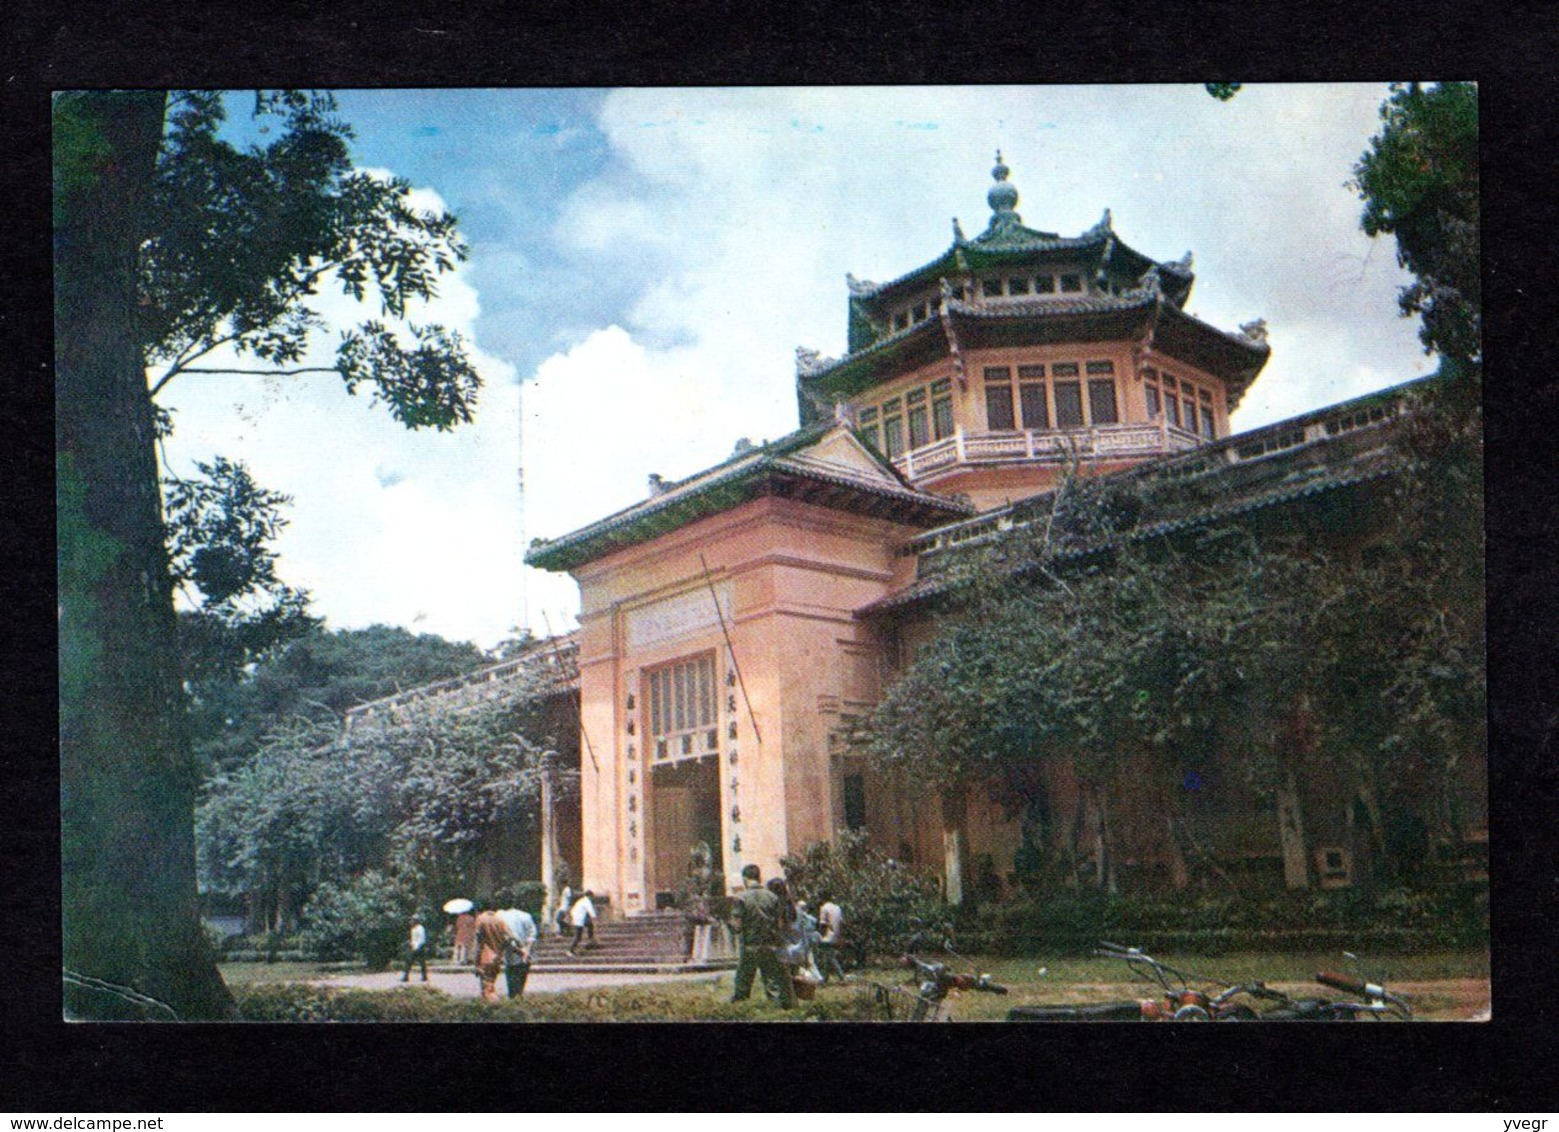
1510	1063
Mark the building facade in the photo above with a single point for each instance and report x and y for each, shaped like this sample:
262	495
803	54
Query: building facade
736	623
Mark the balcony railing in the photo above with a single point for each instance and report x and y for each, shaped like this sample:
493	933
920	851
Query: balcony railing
1154	438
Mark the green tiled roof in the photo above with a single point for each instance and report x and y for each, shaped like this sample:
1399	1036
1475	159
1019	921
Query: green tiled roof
778	467
1196	489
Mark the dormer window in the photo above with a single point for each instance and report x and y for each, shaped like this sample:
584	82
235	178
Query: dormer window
990	288
1071	283
919	313
1044	284
1017	285
901	320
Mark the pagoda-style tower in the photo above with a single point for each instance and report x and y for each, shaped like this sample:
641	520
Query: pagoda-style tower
988	370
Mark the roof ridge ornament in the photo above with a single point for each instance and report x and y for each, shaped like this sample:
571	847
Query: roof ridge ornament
1105	226
958	234
1255	330
810	361
858	286
1182	265
1003	199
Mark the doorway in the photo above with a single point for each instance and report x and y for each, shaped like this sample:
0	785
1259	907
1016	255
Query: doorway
684	810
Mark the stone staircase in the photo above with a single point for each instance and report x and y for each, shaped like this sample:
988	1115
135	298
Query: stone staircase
645	942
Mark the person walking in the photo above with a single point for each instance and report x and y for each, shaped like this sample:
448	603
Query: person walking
516	960
416	949
565	906
830	922
755	921
582	917
492	945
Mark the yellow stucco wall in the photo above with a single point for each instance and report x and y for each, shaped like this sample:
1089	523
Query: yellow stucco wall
792	574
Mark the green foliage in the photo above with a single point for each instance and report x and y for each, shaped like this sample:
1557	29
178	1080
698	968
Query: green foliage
1223	92
417	798
316	678
526	895
220	528
241	239
884	901
365	918
296	1002
1419	182
1126	664
1074	922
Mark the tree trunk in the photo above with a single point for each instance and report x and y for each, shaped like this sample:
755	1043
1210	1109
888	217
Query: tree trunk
954	805
1291	835
132	929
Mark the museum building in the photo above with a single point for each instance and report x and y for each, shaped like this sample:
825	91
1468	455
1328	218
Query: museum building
736	624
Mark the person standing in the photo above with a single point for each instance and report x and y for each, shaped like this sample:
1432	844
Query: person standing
582	917
465	937
416	949
755	915
830	921
492	945
516	960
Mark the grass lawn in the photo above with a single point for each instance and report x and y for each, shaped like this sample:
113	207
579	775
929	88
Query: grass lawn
248	974
1441	985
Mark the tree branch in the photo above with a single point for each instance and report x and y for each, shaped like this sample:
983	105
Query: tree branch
254	372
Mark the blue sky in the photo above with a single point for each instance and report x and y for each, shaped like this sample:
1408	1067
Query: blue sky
645	262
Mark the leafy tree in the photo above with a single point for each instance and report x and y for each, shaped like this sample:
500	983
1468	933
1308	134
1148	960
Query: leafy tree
317	678
1419	183
1126	665
169	245
220	528
419	798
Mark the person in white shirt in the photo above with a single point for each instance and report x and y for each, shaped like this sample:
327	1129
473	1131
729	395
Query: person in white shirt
830	921
516	962
416	949
582	917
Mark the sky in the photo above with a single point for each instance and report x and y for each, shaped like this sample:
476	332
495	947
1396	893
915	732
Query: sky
645	262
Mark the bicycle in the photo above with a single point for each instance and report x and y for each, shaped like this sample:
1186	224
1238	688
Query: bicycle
933	983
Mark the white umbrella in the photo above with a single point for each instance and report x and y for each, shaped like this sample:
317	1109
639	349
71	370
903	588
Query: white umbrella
458	905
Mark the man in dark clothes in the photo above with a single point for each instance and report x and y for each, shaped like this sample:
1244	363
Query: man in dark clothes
755	914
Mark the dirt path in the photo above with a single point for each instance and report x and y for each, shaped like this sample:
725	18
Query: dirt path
463	984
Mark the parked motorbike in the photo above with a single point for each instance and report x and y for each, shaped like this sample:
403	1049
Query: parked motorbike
1179	1001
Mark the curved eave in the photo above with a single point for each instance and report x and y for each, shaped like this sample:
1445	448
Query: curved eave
1233	357
1026	244
757	476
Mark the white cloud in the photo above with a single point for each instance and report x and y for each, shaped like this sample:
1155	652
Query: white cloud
419	529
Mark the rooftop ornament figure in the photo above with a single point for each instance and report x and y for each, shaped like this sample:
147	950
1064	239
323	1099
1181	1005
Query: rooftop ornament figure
1003	198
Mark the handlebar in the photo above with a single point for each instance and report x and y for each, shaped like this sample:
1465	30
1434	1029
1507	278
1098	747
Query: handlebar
1380	999
1341	982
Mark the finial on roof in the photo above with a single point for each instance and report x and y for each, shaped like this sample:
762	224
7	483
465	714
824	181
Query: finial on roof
1003	197
958	232
1256	330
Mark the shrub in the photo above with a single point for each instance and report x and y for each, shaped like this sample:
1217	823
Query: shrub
364	918
284	1002
527	895
1074	921
884	902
